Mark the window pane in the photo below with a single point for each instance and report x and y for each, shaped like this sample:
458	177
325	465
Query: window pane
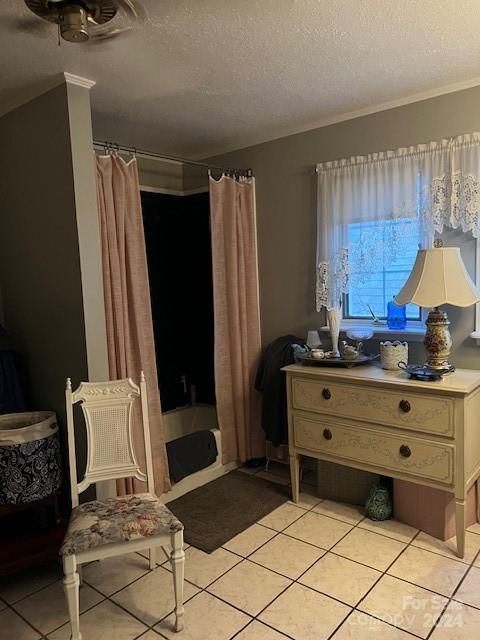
377	274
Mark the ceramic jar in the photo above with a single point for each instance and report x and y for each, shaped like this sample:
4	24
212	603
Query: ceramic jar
391	353
379	503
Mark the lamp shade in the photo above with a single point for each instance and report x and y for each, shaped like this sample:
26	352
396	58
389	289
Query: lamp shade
439	277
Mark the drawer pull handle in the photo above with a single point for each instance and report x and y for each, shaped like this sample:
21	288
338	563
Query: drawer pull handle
405	451
327	434
326	394
404	406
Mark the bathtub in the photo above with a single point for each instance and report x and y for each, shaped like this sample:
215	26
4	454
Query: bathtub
181	422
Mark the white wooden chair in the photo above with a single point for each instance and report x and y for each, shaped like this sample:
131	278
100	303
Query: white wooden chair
111	527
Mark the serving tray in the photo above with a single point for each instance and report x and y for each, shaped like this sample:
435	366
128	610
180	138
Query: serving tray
363	358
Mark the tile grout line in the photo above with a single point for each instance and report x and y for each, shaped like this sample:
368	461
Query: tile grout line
469	570
410	544
27	622
328	596
246	558
477	555
292	581
242	558
278	533
104	598
327	551
35	591
382	573
255	617
114	593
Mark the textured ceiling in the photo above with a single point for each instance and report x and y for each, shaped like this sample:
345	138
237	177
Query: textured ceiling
200	76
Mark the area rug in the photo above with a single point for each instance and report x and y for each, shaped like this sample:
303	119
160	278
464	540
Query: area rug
218	511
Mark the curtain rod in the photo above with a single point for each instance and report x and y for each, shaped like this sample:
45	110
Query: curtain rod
114	146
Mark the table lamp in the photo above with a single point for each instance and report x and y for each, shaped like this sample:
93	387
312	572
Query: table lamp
438	277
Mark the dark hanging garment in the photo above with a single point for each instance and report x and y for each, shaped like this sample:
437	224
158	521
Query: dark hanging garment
12	383
270	381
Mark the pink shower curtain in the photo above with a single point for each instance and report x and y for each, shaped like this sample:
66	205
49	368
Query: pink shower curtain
131	346
237	320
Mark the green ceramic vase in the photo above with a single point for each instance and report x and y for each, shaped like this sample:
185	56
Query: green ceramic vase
379	504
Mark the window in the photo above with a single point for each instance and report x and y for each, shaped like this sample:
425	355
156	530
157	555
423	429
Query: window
375	276
375	210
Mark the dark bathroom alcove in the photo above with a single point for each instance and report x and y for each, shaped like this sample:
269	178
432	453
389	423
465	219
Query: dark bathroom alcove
177	235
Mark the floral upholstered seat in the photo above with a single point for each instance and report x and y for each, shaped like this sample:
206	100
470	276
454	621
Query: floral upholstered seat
121	519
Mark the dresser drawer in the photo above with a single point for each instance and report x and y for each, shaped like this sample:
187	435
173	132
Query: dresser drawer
431	414
415	456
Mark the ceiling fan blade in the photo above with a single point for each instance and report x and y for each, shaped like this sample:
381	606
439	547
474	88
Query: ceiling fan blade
128	11
105	35
133	8
26	24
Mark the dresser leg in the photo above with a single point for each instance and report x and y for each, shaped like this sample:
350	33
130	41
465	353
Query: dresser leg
460	514
295	476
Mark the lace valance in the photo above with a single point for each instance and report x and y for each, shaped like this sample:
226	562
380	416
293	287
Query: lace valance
370	206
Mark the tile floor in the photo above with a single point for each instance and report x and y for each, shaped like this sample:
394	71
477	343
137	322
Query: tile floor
313	571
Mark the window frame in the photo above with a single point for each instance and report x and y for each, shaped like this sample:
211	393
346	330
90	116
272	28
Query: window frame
381	318
416	325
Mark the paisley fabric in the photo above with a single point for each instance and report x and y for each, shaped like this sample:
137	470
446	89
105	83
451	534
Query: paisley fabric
121	519
30	471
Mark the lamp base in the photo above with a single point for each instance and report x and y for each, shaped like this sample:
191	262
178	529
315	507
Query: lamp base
438	341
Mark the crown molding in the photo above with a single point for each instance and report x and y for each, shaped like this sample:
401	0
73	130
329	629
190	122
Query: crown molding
71	78
48	84
285	132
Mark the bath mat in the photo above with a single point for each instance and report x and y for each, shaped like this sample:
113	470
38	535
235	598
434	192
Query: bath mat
218	511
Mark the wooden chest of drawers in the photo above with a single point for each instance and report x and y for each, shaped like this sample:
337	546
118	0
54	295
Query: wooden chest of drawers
380	421
410	410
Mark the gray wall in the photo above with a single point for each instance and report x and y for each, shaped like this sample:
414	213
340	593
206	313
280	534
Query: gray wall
39	256
50	265
163	174
194	177
286	204
160	174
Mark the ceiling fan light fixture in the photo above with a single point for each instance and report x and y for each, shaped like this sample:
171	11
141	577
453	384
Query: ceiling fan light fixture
87	20
74	23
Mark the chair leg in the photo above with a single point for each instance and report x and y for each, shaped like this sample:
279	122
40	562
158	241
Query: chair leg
80	575
71	585
152	558
178	568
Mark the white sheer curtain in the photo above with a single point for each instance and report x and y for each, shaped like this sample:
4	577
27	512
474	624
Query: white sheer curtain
369	207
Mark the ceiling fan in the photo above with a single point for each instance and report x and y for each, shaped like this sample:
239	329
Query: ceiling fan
86	20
